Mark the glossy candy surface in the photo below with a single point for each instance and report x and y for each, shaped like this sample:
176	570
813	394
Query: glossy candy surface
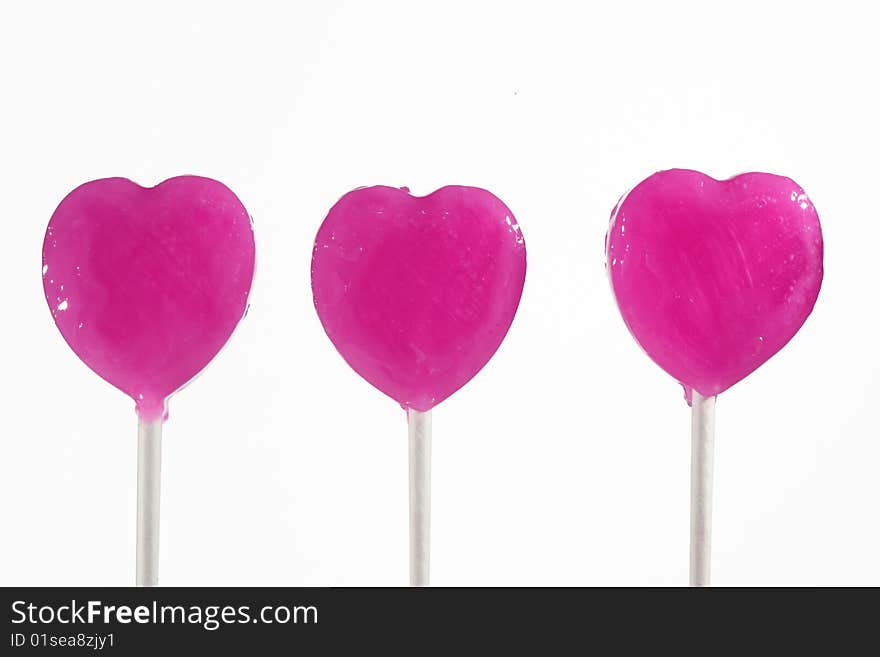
417	293
147	284
714	277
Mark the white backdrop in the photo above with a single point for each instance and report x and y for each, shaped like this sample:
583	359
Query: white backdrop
566	460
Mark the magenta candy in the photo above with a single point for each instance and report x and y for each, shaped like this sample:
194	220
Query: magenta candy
417	293
147	284
714	277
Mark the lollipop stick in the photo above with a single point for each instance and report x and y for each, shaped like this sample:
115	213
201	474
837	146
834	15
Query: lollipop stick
702	456
148	481
419	497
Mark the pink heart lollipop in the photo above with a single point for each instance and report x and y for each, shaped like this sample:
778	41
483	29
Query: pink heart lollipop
146	286
713	278
417	293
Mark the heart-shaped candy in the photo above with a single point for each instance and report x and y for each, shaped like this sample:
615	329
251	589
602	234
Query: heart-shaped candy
714	277
417	293
147	285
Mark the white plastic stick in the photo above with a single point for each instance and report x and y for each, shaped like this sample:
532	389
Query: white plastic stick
702	460
419	497
148	487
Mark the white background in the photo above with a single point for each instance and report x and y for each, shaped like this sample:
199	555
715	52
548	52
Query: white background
566	460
